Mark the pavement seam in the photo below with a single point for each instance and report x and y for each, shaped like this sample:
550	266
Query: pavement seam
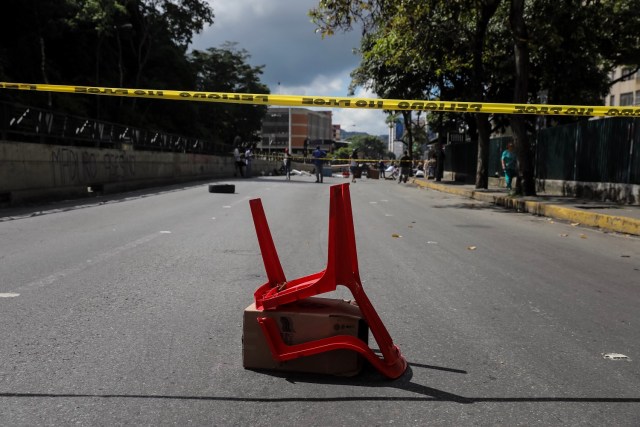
614	223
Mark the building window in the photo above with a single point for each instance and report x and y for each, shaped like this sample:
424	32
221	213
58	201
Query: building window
612	100
626	99
637	97
625	71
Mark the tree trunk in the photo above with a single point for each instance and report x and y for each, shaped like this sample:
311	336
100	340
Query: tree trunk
486	11
484	133
98	82
43	69
409	129
525	183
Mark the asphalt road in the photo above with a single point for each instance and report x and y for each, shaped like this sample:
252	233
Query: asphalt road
128	311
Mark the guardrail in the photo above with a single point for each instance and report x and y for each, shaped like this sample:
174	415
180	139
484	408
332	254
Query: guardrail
31	124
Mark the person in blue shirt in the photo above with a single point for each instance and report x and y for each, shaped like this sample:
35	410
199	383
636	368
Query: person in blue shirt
381	168
509	164
318	159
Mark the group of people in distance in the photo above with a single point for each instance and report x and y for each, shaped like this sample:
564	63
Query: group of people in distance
244	159
242	162
433	166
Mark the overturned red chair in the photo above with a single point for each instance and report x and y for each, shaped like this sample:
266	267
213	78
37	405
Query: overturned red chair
342	269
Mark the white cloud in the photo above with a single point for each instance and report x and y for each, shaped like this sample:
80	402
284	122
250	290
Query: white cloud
233	13
320	85
279	35
350	119
369	121
361	120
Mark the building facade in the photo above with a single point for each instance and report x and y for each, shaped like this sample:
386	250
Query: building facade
626	92
283	127
337	133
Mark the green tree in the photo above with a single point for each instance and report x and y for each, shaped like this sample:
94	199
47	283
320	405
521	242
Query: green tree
341	154
106	19
387	67
419	49
492	51
128	43
226	69
157	23
368	147
30	33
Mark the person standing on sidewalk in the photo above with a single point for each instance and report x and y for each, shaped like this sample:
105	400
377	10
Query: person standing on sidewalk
248	157
287	164
439	155
237	157
353	166
381	168
430	166
318	159
509	165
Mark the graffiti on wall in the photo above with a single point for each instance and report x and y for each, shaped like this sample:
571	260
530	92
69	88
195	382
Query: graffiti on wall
72	166
118	166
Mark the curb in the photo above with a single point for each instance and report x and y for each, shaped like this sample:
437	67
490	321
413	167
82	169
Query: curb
613	223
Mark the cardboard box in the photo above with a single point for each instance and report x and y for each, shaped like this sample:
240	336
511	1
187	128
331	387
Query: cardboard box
303	321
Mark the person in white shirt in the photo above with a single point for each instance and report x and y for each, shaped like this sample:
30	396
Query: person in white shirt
248	155
239	162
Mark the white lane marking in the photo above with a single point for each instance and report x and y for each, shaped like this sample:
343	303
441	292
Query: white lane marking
99	258
388	215
373	203
9	295
431	242
165	232
616	356
213	217
227	207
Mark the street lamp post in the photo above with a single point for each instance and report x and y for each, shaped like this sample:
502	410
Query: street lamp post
289	113
289	130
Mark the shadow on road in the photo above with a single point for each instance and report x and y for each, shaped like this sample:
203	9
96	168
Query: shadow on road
26	210
369	378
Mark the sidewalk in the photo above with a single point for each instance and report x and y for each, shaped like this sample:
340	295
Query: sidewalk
604	215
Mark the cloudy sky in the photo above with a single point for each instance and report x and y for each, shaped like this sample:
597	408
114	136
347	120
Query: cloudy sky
279	35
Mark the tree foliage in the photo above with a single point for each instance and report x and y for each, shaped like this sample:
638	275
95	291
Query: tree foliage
126	43
367	146
489	50
225	69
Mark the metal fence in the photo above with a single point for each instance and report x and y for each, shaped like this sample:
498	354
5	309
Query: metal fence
31	124
462	158
604	150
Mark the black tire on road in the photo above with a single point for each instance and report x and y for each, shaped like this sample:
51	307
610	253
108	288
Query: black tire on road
222	188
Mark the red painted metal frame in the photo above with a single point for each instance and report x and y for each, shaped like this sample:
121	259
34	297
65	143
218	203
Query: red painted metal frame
342	269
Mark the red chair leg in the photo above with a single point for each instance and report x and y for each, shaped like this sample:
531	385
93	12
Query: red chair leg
272	265
342	269
391	368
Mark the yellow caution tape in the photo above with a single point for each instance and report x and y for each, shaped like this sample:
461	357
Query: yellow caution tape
280	156
337	102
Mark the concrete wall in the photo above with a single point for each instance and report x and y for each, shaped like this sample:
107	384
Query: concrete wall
38	172
602	191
